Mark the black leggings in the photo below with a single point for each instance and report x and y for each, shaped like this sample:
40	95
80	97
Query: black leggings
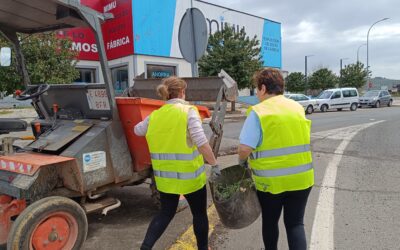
169	202
293	204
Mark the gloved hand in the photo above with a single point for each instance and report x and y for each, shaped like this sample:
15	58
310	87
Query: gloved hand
243	163
215	171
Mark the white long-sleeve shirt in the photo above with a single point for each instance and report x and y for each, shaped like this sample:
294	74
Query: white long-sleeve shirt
195	133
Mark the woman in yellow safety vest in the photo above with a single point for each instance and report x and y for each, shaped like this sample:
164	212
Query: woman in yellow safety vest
177	145
275	142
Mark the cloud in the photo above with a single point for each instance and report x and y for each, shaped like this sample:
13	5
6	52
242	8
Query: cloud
332	30
304	32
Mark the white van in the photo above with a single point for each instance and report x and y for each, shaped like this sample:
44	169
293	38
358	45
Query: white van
343	98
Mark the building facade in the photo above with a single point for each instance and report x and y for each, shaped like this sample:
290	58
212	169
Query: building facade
142	38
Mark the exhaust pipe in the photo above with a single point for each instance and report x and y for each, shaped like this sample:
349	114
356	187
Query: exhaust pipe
109	208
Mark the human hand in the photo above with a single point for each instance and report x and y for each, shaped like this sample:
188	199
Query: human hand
243	163
215	171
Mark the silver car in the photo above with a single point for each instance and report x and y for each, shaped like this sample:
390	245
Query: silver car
308	103
376	98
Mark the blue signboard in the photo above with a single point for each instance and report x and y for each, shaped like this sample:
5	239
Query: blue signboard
153	25
271	45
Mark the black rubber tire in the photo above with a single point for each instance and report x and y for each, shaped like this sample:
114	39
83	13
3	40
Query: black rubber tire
339	109
390	103
353	106
309	110
324	108
377	104
26	222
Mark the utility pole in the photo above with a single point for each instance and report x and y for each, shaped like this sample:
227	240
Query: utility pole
305	74
341	63
368	48
358	50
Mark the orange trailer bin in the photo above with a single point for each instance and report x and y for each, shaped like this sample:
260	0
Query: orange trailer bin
133	110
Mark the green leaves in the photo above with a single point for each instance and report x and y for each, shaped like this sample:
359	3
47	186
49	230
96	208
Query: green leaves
234	52
295	82
353	75
49	59
322	79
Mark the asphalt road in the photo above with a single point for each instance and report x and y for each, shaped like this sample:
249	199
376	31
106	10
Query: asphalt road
359	207
354	204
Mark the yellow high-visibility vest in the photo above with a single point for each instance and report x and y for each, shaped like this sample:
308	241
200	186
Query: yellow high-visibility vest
283	161
178	168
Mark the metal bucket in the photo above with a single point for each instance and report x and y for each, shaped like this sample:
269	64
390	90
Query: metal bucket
243	207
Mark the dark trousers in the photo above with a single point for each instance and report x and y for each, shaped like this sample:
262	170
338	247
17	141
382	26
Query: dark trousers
293	204
169	202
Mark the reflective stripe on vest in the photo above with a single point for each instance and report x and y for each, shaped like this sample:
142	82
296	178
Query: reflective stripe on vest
281	151
283	171
178	175
176	157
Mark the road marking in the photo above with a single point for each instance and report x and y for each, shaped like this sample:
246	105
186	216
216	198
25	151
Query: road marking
187	241
323	225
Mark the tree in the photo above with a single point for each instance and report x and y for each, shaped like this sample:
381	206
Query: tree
49	59
234	52
353	75
295	82
322	79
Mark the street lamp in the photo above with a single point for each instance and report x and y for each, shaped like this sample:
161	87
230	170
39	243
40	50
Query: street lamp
305	71
358	50
341	63
384	19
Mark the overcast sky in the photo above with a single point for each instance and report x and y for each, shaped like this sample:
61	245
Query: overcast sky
331	30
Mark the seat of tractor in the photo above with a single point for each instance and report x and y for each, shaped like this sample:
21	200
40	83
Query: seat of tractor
8	125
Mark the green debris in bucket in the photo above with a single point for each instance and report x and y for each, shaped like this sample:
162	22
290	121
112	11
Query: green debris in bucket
225	191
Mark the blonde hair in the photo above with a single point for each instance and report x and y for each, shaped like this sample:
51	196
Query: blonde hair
171	87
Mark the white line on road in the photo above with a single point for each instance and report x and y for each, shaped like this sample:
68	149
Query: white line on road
324	220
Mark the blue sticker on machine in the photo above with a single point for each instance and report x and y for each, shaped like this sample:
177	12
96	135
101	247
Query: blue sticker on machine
271	45
87	158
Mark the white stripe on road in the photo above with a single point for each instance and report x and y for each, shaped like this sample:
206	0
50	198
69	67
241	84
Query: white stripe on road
324	220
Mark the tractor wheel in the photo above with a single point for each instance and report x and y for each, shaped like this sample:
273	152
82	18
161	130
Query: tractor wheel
50	223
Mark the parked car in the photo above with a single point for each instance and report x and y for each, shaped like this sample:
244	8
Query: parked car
341	98
308	104
376	98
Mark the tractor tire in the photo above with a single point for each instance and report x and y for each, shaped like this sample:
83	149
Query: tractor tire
53	222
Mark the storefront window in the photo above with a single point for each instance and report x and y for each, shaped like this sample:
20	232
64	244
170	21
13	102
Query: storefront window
120	79
160	71
86	75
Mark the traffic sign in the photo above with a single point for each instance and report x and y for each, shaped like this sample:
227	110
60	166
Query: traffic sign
193	36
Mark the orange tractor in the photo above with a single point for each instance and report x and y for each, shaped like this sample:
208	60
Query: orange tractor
83	143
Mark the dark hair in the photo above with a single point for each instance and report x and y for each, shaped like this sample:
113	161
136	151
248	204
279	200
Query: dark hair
272	80
171	87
